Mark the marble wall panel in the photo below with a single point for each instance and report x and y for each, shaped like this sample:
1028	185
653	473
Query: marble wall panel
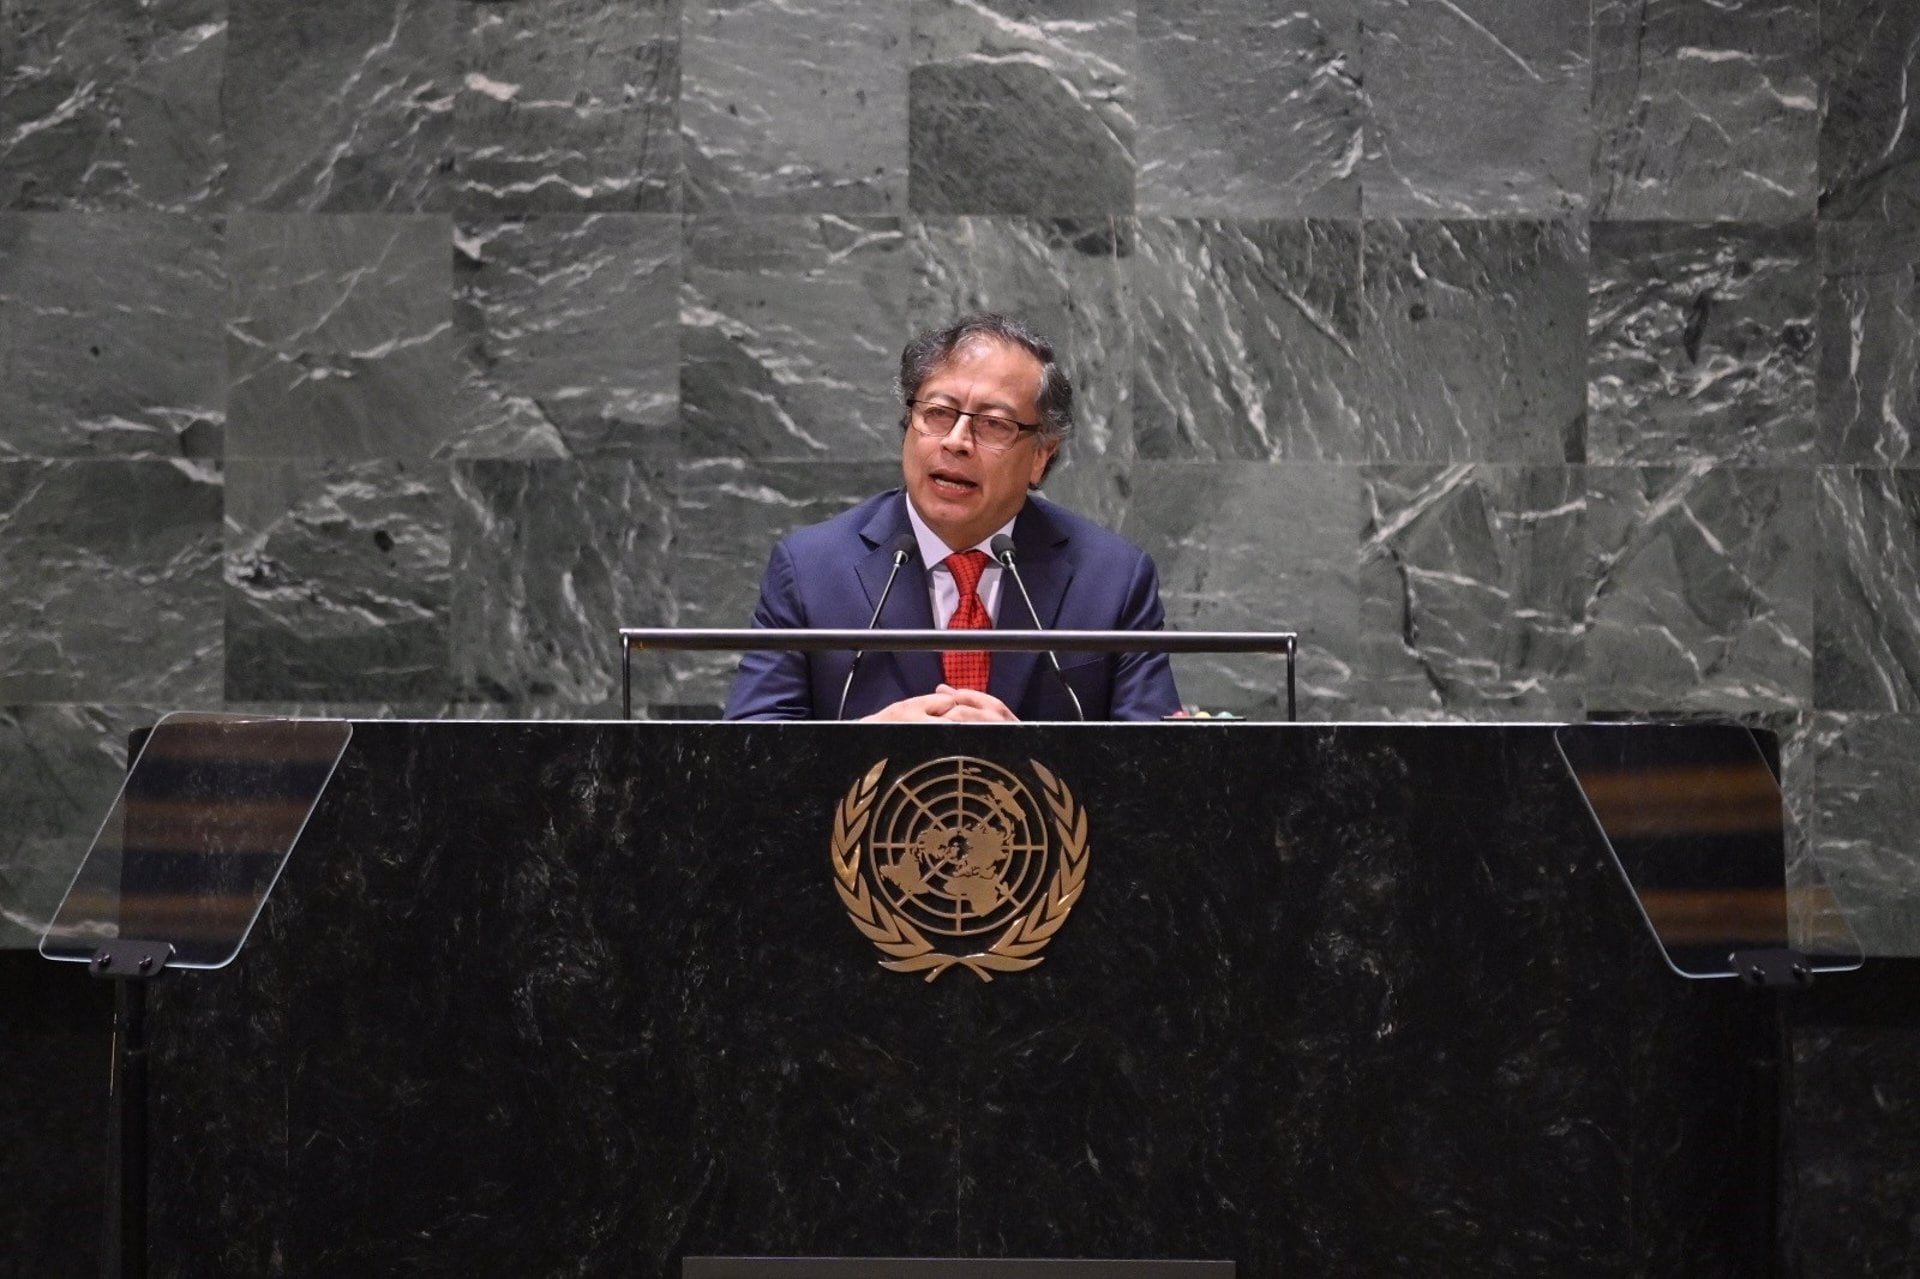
550	559
1804	867
337	581
322	709
111	571
1255	547
110	336
790	336
340	339
111	106
568	106
1021	106
1246	340
794	105
1474	341
1067	278
1701	344
1703	599
1867	634
451	708
1865	810
728	513
1100	488
1869	383
1512	145
345	106
570	329
1705	109
1248	110
1814	924
1870	121
1473	585
60	767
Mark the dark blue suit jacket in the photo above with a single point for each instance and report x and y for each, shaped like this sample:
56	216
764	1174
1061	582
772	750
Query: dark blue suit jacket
1082	578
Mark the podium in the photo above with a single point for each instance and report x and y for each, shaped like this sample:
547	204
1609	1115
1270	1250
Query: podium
538	997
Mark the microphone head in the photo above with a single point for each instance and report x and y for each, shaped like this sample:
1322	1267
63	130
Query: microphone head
1002	548
903	548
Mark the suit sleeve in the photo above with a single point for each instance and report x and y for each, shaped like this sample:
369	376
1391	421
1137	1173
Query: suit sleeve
774	685
1143	687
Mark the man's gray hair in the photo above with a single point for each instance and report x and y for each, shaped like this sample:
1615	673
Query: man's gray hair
931	349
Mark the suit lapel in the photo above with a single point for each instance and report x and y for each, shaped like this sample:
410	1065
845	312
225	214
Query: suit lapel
908	608
1040	547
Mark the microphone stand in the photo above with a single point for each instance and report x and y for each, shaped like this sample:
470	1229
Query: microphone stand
903	548
1002	546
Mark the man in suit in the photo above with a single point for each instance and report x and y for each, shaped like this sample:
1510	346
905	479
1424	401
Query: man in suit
986	410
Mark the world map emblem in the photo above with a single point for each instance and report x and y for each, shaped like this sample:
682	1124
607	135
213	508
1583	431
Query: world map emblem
958	862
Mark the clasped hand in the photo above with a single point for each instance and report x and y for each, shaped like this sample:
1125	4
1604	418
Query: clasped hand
954	705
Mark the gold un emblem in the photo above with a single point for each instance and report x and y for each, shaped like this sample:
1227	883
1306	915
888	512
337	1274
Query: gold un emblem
956	864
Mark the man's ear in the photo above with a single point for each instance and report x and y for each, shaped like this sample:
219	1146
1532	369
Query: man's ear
1042	463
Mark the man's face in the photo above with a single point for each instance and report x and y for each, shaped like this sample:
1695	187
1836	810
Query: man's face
962	491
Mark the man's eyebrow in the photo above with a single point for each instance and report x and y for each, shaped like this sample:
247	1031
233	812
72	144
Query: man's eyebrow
993	408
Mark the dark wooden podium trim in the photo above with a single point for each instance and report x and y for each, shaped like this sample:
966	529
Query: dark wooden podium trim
946	1268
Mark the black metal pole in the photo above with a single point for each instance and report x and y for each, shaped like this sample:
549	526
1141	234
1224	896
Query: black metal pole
129	965
1292	713
123	1253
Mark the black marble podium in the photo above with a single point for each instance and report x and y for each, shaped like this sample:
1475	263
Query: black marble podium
582	998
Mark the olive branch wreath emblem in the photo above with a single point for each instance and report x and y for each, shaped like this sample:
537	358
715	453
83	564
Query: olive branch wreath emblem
1018	948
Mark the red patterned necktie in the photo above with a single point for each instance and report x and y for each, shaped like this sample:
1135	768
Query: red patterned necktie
968	670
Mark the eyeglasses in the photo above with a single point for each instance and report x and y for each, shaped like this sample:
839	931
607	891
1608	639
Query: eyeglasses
996	433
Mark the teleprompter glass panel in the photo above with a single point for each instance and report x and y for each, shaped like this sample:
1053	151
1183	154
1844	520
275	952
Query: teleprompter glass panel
197	836
1697	826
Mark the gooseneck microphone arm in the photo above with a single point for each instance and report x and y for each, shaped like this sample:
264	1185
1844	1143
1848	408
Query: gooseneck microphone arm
904	547
1002	548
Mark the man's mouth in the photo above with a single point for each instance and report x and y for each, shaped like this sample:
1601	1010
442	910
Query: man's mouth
948	482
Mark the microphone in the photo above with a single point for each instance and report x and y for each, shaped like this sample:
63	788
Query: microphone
1002	548
903	548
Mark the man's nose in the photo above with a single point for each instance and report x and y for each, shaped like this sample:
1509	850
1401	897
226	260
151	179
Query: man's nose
959	436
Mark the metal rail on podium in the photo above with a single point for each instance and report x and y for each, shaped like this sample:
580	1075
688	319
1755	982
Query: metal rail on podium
635	639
